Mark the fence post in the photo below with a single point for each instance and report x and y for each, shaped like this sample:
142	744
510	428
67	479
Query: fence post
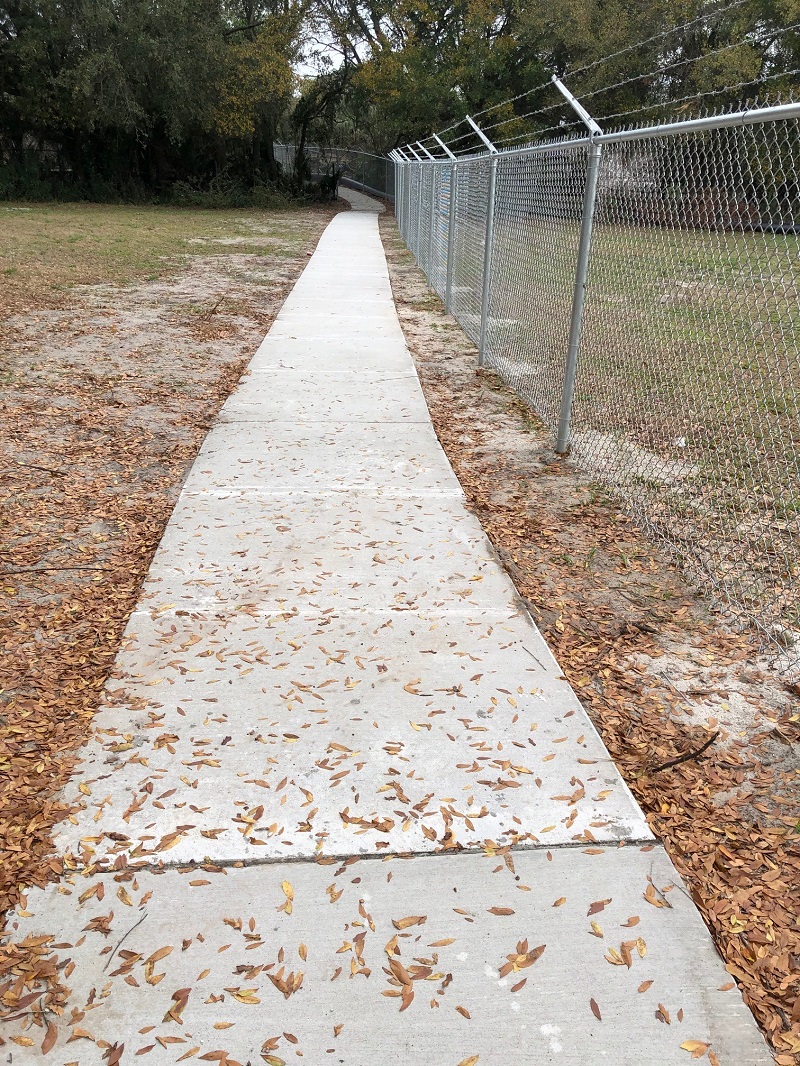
487	243
487	263
434	206
581	272
393	181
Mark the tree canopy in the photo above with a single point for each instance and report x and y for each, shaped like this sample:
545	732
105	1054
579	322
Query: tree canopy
138	98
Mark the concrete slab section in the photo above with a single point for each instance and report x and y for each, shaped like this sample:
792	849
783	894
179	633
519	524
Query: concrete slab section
343	551
319	353
570	957
359	201
326	397
255	738
394	459
351	327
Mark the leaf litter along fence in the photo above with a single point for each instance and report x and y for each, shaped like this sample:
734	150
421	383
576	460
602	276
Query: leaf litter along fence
640	289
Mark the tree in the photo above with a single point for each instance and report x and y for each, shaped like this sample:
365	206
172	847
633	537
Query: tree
110	98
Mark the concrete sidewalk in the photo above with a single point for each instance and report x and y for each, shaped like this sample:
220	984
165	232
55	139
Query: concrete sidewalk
340	803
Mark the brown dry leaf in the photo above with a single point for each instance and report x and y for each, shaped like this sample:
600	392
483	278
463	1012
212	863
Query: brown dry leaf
697	1048
522	958
157	956
500	910
80	1034
597	906
50	1038
471	1061
595	1009
406	923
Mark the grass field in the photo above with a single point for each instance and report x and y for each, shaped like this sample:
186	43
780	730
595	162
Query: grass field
48	248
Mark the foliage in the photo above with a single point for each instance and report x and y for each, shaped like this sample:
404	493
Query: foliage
101	99
105	100
415	67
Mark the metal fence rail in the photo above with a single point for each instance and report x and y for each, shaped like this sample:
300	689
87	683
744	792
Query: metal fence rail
674	296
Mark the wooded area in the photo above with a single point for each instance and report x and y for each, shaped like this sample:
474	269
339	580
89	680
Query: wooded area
182	99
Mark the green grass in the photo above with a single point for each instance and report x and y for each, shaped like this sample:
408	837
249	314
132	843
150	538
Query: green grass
691	352
47	249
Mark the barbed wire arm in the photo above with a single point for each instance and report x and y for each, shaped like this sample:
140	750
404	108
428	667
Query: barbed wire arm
444	147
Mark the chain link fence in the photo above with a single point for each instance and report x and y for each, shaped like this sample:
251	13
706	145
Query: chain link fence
369	173
686	328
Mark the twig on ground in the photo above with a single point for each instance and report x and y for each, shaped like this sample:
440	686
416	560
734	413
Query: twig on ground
122	941
45	569
687	755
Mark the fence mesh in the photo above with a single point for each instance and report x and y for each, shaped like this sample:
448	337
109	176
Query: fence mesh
471	200
538	202
372	173
687	396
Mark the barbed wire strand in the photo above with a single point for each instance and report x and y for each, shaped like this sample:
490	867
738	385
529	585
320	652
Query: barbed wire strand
513	99
529	114
660	71
621	52
699	96
531	137
656	37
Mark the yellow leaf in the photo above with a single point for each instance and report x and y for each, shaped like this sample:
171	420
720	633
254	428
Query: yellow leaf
697	1048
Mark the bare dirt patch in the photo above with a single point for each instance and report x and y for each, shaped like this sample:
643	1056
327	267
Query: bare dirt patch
659	673
107	393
